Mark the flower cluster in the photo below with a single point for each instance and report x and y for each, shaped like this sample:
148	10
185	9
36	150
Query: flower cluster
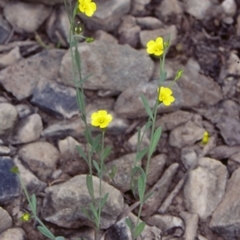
87	6
165	96
101	119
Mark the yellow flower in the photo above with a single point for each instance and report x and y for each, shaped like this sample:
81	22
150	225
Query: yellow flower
165	96
87	6
101	119
156	47
205	138
25	217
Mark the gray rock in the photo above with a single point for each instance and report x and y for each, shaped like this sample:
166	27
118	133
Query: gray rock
24	110
169	7
8	117
40	157
191	223
32	183
198	9
202	197
224	152
129	104
28	130
4	30
36	15
10	186
138	8
159	191
229	7
55	99
29	71
149	23
124	166
172	120
185	135
225	218
166	223
166	33
104	36
108	15
189	156
128	31
13	234
58	26
10	58
230	130
5	220
4	150
70	160
63	203
127	67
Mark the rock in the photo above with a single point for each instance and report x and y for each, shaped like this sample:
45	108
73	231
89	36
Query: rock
13	234
170	121
166	33
135	109
185	135
119	230
149	23
229	7
61	129
224	220
198	9
138	8
55	99
10	58
46	2
29	71
169	7
28	130
108	15
124	166
166	223
60	199
189	156
128	31
191	223
159	191
58	26
224	152
70	160
5	220
10	187
230	130
24	110
4	30
127	67
32	183
156	166
37	14
236	157
40	157
4	151
202	197
8	117
104	36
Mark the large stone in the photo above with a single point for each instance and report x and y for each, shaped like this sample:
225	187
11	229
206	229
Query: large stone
205	187
129	103
4	30
21	78
36	15
13	234
117	66
63	204
225	219
5	220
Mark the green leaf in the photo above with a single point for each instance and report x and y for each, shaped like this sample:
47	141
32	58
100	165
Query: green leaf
96	166
129	223
163	76
139	229
85	79
113	172
96	143
81	152
147	196
77	60
59	238
34	203
148	125
103	201
75	11
154	142
178	74
106	152
146	106
94	210
90	185
14	170
89	39
46	232
88	137
141	154
80	101
141	186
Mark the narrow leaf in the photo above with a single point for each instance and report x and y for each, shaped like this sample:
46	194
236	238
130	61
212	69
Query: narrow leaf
106	152
148	125
103	201
59	238
141	154
141	186
129	223
94	210
96	143
34	203
77	60
139	229
154	142
81	152
90	185
113	172
96	166
147	196
46	232
163	76
146	106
